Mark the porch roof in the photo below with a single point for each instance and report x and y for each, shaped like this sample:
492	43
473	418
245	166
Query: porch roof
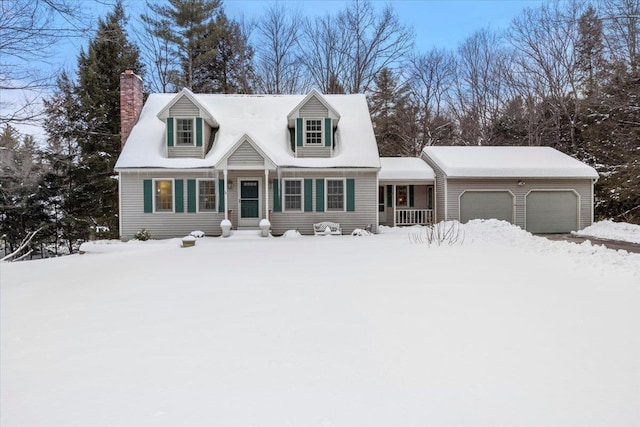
405	169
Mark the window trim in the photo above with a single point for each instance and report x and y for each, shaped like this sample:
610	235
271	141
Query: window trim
193	132
406	200
215	195
173	195
326	195
284	193
304	132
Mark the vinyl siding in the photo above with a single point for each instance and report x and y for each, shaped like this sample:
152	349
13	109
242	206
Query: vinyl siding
440	190
313	108
455	187
161	225
313	151
246	155
190	152
184	108
419	200
365	205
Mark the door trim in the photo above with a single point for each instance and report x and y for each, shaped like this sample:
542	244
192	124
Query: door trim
249	222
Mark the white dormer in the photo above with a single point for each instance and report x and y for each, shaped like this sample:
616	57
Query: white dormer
190	128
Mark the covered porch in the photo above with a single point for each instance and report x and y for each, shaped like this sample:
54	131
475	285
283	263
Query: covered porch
406	192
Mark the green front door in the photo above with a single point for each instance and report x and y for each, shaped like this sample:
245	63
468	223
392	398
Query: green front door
249	202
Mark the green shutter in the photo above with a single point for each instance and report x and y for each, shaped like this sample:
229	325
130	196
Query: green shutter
148	196
328	132
277	201
170	132
308	194
299	132
198	131
191	195
319	195
220	195
411	190
351	195
389	196
179	195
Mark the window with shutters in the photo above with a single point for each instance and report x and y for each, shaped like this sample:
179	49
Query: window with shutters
402	196
313	132
335	194
184	132
163	195
293	194
206	195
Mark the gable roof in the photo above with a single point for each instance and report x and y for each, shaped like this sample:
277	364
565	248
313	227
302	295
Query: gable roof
294	114
507	162
165	112
264	118
269	163
405	169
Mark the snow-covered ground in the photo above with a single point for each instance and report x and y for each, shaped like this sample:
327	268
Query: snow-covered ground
608	229
506	329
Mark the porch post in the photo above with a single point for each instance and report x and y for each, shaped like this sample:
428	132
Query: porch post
226	198
394	205
266	194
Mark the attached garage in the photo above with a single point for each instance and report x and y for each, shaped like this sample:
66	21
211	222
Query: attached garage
551	211
486	205
536	188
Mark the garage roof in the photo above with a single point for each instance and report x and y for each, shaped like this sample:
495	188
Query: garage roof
405	169
507	162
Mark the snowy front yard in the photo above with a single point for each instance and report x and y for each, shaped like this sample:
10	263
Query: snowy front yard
504	330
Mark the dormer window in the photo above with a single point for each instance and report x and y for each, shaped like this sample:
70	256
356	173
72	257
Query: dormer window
184	132
313	132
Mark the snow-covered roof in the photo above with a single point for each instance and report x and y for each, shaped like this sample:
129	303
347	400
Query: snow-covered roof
405	169
264	119
507	162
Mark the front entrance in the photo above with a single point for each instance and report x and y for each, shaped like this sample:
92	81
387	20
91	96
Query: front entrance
249	202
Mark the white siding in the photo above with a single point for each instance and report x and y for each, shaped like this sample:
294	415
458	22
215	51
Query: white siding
440	191
313	151
189	152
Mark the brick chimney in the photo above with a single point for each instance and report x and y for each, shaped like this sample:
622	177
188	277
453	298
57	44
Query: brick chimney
130	103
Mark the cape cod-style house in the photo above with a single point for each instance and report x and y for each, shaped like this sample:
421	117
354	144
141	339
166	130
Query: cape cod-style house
190	161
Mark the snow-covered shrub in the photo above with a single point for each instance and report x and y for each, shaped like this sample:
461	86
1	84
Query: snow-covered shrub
142	235
292	233
449	232
197	234
360	232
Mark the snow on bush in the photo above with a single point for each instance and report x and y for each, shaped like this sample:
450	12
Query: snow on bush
608	229
292	233
198	234
142	235
360	232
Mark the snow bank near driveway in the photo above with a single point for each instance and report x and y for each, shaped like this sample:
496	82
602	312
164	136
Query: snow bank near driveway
608	229
505	330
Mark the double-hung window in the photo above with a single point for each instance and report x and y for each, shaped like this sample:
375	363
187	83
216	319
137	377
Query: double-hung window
293	194
184	132
402	196
206	195
335	194
164	195
313	132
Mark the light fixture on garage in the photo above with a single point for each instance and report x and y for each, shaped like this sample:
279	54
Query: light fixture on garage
521	183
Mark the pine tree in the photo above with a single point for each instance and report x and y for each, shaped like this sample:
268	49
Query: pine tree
392	115
98	91
183	24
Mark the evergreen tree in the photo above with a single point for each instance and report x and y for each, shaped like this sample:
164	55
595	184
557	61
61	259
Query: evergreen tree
392	115
98	92
223	60
183	24
590	51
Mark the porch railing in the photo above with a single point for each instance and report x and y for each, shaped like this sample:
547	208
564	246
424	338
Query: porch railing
414	216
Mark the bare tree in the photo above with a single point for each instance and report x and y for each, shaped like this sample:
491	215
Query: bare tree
29	31
480	85
622	30
373	42
278	68
431	77
157	53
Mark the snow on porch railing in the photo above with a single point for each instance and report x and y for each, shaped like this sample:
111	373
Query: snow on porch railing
414	216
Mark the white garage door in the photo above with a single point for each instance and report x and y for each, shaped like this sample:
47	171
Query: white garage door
551	211
486	205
